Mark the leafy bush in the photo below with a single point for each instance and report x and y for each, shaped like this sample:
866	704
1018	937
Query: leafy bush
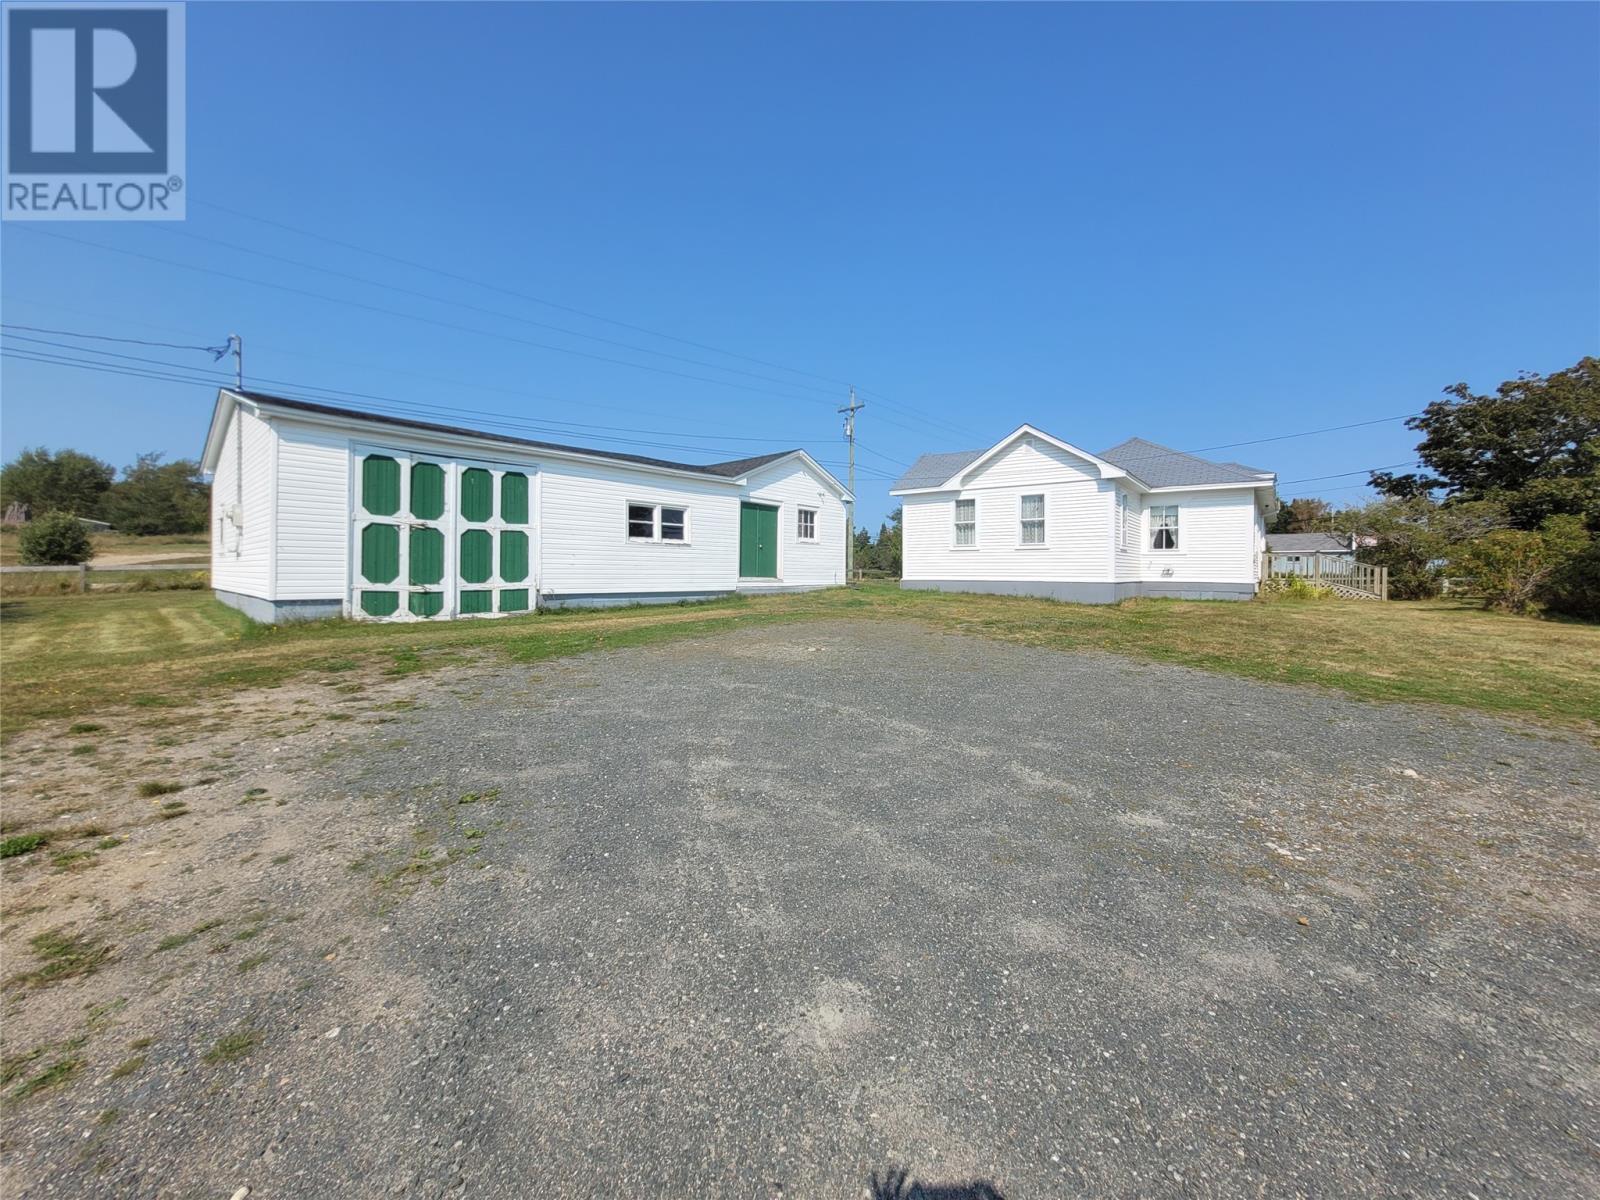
1574	589
55	539
1297	587
1514	569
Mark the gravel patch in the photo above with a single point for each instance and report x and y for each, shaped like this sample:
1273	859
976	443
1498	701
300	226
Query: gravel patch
764	914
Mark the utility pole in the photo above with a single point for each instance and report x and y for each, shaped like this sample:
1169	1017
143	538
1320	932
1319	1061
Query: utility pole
236	344
850	410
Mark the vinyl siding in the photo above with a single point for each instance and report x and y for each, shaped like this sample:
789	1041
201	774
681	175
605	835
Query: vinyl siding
584	532
241	556
1216	538
313	527
1125	552
792	486
1078	518
1029	462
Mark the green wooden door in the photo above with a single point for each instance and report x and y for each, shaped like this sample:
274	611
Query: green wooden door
758	542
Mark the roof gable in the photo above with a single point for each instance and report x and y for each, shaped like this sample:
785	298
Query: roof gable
963	463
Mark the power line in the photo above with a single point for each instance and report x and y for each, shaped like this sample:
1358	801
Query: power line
1341	474
490	312
541	422
101	337
1307	433
213	381
392	312
394	258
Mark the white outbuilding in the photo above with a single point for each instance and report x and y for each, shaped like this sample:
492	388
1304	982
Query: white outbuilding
319	511
1034	515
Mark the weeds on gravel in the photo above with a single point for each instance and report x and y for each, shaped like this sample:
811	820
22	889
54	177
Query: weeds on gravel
252	962
151	788
108	843
64	956
23	843
173	808
72	860
84	727
231	1047
127	1066
56	1073
173	940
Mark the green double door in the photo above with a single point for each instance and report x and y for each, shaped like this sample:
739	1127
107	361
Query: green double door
758	542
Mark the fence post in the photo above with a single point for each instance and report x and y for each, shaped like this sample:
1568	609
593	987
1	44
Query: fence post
1383	583
83	579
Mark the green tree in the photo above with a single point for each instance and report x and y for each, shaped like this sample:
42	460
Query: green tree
1512	569
66	481
1418	538
1306	514
157	497
56	539
1533	446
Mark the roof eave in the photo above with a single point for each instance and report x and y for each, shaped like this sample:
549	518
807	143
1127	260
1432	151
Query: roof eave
1107	470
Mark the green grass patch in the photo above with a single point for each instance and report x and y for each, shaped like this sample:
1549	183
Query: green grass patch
127	1066
233	1046
84	727
23	843
108	843
251	962
174	940
63	956
55	1074
151	788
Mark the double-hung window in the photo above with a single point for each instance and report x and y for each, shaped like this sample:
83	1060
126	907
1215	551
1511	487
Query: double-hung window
1164	527
657	523
1033	520
1121	518
966	522
642	521
674	524
805	527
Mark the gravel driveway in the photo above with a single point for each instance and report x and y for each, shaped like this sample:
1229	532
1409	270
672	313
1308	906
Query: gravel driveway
759	915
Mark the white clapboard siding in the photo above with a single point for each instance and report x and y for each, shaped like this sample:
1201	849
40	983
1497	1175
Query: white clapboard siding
792	486
241	559
1217	538
1028	462
583	533
1077	543
1126	548
313	513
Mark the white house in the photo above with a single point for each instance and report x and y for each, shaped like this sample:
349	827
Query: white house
321	511
1035	516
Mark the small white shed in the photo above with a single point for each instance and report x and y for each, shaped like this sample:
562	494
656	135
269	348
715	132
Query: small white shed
320	511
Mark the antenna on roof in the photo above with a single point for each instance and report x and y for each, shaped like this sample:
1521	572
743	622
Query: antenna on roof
850	410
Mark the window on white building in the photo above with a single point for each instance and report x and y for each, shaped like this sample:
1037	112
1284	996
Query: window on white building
1164	527
1033	520
806	524
966	522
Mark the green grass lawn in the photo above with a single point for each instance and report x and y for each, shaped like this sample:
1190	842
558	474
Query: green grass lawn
194	547
73	656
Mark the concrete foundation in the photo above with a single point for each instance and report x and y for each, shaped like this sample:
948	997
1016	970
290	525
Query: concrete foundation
1085	593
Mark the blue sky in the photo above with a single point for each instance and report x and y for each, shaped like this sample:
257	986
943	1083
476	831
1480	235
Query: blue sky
1197	224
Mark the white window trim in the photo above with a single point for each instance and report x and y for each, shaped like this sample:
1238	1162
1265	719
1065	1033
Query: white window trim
1150	547
800	510
655	538
1044	545
954	509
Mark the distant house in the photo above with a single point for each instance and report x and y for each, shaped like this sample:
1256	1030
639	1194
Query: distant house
1299	553
319	511
1034	515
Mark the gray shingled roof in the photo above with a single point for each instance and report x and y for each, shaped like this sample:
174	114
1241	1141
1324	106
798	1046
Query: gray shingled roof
726	470
1307	543
1153	465
1161	466
933	469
